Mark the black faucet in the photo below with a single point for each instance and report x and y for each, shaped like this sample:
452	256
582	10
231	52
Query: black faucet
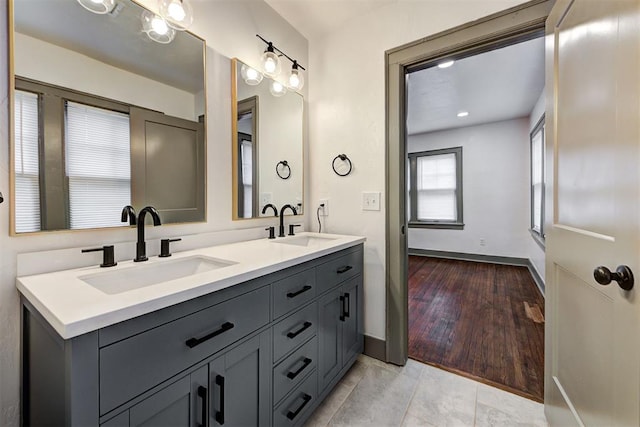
128	212
269	205
285	207
141	246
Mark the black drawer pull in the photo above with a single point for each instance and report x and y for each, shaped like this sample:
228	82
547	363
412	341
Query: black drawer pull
306	398
220	413
202	394
344	269
306	362
295	294
347	304
192	342
342	311
304	327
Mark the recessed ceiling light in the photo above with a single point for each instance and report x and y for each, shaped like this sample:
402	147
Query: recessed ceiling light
446	64
463	114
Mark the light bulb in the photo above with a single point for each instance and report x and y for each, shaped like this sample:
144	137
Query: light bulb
270	62
98	6
156	28
296	79
251	76
177	13
277	89
446	64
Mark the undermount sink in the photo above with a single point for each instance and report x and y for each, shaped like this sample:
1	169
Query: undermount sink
304	240
141	276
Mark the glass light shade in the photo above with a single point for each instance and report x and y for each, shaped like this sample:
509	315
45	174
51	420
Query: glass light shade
296	79
251	76
157	28
98	6
270	63
177	13
277	89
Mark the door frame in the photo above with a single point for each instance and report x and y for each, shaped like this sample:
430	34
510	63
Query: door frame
513	25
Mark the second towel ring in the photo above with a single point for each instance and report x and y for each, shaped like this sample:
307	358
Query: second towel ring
284	164
344	158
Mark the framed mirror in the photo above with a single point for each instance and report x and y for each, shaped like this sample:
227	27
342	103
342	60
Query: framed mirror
267	146
103	116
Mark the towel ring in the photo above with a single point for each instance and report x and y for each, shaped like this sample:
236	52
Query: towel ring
344	158
284	164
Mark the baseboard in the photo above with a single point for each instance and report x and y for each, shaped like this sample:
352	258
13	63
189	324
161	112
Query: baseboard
376	348
492	259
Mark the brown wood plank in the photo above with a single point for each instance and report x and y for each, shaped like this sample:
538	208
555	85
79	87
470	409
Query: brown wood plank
481	320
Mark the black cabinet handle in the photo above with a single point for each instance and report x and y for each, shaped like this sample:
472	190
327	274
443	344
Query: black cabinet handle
347	309
306	362
220	413
202	393
344	269
192	342
304	327
306	399
342	314
295	294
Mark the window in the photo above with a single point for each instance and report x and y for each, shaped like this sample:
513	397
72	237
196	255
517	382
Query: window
537	181
27	171
435	189
98	165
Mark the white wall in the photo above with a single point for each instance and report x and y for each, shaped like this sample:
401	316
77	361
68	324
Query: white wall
537	253
347	115
49	63
229	27
495	188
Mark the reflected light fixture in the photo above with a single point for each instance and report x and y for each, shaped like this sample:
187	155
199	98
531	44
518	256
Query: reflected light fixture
178	14
250	75
271	65
446	64
98	6
157	28
277	89
463	114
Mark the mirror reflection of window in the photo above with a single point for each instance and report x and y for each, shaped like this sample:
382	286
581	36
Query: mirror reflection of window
98	165
27	174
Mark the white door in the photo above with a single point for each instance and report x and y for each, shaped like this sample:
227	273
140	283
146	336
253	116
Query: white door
593	331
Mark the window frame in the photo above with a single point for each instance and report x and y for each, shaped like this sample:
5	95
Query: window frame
414	222
538	236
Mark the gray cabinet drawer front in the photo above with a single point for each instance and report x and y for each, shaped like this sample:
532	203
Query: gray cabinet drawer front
293	292
294	330
131	366
292	370
297	405
338	270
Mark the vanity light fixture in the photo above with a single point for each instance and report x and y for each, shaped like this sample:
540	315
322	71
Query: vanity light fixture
250	75
277	89
463	114
177	13
446	64
157	28
98	6
271	65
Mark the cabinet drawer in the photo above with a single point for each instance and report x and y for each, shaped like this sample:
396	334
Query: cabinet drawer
296	406
293	292
338	270
292	370
294	330
131	366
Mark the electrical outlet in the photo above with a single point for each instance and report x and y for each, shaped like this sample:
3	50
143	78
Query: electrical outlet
371	201
483	242
324	211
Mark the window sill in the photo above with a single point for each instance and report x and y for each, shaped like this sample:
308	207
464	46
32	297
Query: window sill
538	239
437	225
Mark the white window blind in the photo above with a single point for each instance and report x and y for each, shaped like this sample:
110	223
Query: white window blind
436	187
536	181
98	165
27	185
247	177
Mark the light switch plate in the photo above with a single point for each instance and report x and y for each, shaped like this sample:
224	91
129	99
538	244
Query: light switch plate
371	201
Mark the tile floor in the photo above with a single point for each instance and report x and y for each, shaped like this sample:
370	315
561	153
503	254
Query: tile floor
374	393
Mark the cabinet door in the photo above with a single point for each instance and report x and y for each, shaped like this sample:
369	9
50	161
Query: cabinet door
240	384
329	337
352	336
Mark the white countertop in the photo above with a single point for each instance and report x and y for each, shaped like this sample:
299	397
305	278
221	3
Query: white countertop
73	307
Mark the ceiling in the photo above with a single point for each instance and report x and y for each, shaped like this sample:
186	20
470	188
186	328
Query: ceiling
498	85
116	39
315	18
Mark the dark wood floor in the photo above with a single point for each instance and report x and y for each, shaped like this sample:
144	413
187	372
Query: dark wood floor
482	320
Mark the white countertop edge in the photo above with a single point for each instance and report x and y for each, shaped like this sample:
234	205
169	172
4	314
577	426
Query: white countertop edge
101	320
